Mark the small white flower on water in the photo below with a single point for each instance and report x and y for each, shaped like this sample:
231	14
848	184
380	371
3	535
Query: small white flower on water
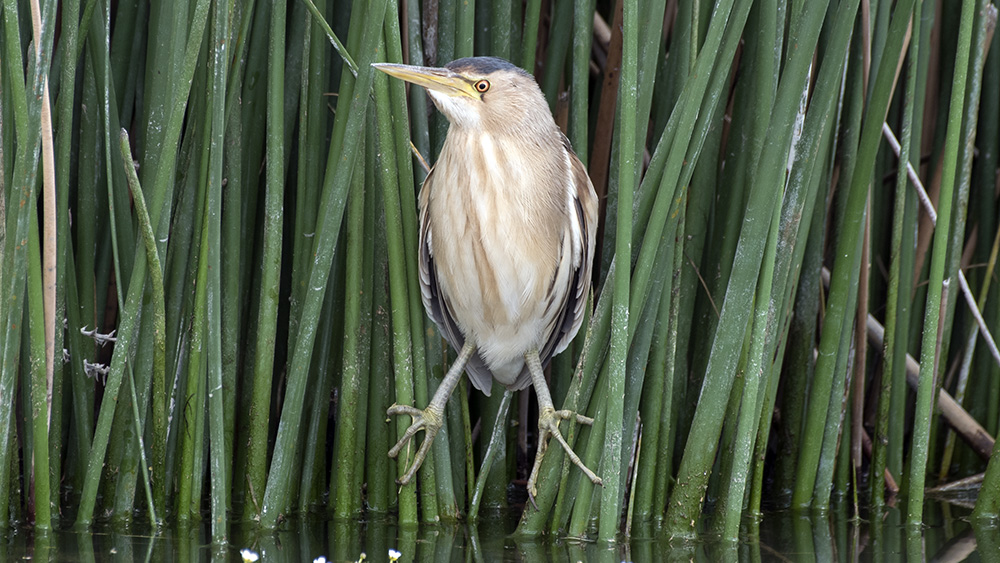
320	559
249	555
394	555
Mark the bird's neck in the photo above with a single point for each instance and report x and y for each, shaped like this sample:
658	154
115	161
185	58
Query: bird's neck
516	171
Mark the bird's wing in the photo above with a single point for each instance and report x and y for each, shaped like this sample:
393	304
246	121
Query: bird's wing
436	303
580	239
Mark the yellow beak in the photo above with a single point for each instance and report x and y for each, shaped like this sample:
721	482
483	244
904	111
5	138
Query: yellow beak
438	79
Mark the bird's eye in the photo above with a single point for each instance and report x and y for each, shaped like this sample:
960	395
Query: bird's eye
482	86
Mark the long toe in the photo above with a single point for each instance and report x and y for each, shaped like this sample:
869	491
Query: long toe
429	420
576	459
548	426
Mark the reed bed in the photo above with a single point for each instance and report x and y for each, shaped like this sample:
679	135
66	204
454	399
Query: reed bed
209	277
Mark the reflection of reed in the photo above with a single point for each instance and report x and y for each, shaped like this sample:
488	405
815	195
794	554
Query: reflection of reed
958	549
971	483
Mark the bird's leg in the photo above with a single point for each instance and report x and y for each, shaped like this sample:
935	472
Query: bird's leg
548	424
431	418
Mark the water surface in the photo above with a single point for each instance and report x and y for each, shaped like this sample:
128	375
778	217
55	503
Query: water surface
947	536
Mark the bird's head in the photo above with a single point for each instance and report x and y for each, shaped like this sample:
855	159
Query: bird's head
481	93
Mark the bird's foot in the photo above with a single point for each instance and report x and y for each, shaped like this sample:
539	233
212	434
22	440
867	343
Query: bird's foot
430	421
548	425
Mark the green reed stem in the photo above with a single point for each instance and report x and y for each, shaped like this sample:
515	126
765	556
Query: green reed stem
583	25
895	362
354	373
532	16
930	347
159	434
611	494
161	193
334	40
767	181
381	469
15	265
268	301
843	277
39	460
656	199
221	452
338	175
496	446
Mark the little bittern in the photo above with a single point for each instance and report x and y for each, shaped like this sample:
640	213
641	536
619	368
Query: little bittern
507	231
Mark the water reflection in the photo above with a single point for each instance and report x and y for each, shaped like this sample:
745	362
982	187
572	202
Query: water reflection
786	536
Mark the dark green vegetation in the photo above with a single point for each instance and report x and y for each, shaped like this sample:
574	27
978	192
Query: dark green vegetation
234	197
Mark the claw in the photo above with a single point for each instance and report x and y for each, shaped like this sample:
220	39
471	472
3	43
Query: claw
548	425
430	421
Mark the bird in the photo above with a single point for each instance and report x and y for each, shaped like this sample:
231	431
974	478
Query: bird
508	221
